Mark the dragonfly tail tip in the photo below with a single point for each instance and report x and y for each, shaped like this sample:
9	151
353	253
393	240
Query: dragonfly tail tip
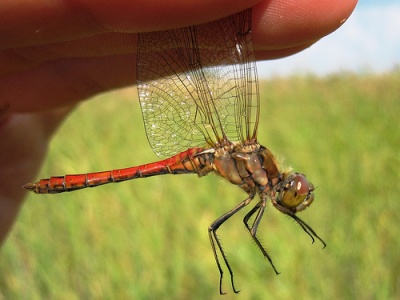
30	187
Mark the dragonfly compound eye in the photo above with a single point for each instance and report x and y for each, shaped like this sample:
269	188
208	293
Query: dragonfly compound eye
297	193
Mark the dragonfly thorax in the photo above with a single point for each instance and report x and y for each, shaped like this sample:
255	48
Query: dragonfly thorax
252	167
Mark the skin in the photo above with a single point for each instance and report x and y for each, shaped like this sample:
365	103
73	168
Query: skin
56	54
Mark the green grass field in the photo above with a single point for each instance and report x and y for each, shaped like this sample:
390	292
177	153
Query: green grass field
147	239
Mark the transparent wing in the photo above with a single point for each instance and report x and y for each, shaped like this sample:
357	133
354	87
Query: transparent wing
198	85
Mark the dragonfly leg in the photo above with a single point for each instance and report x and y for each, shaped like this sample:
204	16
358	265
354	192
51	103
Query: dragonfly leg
259	208
216	243
299	221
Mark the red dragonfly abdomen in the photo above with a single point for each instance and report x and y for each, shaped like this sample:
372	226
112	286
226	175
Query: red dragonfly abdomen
189	161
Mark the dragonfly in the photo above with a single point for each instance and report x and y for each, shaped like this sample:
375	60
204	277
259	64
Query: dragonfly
199	97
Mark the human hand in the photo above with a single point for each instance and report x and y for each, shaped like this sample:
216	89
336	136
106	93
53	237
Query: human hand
54	55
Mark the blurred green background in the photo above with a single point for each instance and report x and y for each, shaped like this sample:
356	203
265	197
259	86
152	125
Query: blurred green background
147	239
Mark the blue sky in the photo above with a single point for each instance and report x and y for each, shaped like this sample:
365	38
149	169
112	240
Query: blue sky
368	42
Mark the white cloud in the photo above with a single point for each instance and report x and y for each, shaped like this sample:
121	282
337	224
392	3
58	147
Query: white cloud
369	40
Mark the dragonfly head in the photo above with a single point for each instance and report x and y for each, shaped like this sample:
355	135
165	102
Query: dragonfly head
296	193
